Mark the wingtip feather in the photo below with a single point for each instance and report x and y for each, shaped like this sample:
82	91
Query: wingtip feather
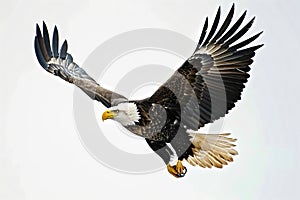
38	31
55	40
47	39
39	54
233	5
63	50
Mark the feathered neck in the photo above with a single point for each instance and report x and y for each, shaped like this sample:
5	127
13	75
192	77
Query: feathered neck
128	113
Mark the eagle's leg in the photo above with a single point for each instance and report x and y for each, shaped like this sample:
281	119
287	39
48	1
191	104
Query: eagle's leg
177	170
183	147
162	149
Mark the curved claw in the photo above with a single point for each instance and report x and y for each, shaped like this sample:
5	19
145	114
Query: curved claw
182	173
173	170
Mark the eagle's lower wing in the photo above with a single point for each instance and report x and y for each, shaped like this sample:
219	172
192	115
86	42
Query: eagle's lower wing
60	63
211	81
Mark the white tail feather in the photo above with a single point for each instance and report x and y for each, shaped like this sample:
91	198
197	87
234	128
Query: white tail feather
211	150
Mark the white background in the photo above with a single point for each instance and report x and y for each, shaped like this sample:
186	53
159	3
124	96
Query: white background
41	156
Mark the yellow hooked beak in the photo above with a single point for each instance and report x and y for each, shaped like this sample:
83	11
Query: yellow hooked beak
108	115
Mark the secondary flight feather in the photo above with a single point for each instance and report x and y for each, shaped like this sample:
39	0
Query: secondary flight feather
202	90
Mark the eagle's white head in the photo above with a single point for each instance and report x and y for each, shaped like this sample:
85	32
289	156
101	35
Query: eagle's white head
124	113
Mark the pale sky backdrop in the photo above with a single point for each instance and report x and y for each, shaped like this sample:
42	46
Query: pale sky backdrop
41	155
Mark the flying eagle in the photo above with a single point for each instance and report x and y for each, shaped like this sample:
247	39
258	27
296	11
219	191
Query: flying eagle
202	90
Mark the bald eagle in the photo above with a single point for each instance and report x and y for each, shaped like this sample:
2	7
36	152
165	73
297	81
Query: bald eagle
203	89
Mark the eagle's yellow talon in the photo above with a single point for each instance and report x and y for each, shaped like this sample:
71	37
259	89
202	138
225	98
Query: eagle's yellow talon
172	170
179	167
177	170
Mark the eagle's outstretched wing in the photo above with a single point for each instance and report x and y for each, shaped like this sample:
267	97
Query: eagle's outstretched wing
214	75
60	63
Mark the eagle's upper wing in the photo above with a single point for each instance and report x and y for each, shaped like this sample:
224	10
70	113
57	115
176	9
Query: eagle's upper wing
211	81
60	63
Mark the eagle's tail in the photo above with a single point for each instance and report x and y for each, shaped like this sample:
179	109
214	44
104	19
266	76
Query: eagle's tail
211	149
